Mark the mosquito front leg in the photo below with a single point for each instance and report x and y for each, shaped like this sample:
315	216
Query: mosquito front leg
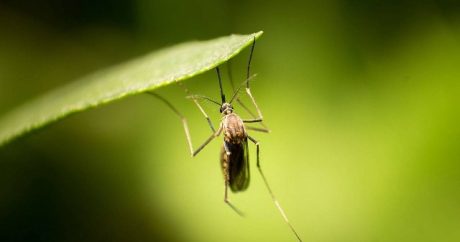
259	113
248	89
206	142
275	201
186	129
254	117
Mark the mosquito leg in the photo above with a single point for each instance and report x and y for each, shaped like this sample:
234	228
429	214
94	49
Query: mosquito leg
248	89
263	130
246	108
206	142
277	204
230	77
254	117
227	182
199	106
186	129
256	120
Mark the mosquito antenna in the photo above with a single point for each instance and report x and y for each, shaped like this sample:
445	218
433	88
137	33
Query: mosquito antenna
203	97
222	95
250	59
235	93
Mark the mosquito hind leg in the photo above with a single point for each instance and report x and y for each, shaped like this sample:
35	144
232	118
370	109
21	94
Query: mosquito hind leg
275	201
227	182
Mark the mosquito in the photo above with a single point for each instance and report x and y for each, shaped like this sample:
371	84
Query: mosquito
234	155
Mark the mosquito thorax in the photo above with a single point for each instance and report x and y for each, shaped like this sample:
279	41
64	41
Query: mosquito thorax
226	108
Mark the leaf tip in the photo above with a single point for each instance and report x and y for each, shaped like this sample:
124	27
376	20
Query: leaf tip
259	33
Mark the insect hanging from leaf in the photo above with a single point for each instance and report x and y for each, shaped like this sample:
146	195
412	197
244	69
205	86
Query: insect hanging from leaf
234	155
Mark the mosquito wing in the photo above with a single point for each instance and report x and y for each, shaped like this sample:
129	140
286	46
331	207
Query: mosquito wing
236	165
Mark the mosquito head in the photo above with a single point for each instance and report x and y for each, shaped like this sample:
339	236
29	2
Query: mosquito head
226	108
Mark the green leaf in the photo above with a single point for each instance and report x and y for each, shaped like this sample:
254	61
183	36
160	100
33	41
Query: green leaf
149	72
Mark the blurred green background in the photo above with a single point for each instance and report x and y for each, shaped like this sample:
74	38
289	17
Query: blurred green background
362	98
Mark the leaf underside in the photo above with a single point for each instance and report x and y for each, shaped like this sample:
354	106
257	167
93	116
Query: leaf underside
145	73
